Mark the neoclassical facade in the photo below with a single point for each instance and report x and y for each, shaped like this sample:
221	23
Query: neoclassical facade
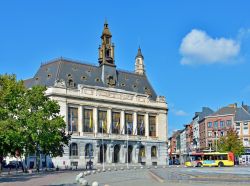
114	116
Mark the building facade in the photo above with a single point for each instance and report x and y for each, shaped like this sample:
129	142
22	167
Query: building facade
216	125
242	126
195	122
114	116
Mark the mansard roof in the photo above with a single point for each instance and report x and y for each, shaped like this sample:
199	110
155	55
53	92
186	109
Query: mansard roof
87	74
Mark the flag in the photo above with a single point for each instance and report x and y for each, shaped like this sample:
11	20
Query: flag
104	125
135	131
110	128
141	127
117	125
90	122
129	128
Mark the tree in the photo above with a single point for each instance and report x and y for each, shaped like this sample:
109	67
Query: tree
231	142
11	102
30	122
45	126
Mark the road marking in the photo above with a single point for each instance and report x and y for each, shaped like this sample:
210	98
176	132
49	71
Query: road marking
156	177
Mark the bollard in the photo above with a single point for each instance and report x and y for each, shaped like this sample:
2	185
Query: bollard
115	169
95	183
80	175
109	169
85	173
93	172
83	182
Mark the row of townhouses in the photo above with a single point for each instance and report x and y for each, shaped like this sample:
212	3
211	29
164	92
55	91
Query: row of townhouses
206	127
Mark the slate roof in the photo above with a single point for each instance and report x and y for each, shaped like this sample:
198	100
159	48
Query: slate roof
242	115
206	111
87	74
225	111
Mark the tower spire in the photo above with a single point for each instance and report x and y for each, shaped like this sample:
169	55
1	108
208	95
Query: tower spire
106	49
139	63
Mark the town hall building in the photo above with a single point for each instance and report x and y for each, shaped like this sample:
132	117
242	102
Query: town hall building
114	116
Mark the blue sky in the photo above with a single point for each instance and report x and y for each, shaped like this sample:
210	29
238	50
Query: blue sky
196	52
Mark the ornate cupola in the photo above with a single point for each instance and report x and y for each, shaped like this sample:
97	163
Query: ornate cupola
106	49
139	63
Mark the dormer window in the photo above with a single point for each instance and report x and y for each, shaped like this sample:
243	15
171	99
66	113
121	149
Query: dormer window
84	78
71	83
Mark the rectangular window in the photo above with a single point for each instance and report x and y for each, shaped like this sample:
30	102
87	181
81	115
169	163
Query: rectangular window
72	119
221	133
209	134
88	120
209	124
140	125
115	122
222	124
237	124
128	124
102	121
152	126
216	124
229	123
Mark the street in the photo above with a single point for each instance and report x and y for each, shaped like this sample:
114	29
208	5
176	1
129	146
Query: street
174	176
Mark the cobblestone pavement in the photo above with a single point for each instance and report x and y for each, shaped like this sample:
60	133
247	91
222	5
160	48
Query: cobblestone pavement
170	176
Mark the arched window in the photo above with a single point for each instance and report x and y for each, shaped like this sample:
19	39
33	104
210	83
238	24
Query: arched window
73	149
88	150
153	151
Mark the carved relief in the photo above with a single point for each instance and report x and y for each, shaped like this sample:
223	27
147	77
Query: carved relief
60	83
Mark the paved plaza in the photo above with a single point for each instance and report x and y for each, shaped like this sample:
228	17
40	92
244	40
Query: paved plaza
170	176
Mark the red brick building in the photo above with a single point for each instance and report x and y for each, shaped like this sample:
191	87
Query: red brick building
214	126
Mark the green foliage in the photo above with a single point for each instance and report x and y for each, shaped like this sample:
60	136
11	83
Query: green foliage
29	120
231	142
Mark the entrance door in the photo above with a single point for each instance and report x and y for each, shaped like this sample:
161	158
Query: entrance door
103	153
130	150
116	153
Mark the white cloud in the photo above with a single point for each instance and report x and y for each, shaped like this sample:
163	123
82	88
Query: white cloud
198	47
180	113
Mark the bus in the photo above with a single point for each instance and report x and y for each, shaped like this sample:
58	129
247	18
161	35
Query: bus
210	159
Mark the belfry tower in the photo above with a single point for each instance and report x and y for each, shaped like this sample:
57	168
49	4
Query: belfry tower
139	63
106	49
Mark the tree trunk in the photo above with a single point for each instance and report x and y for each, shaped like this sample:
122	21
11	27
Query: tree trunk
1	164
45	156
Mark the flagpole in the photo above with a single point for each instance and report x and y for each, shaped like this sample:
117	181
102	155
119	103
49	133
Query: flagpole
127	145
103	157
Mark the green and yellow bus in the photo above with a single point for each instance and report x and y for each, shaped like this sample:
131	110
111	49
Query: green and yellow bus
210	159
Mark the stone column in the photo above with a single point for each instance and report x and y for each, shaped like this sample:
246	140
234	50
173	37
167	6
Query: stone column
109	120
122	122
148	154
135	124
110	150
123	152
157	125
95	119
96	152
136	149
146	125
80	119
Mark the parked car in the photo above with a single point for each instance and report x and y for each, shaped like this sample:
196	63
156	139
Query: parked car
13	164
